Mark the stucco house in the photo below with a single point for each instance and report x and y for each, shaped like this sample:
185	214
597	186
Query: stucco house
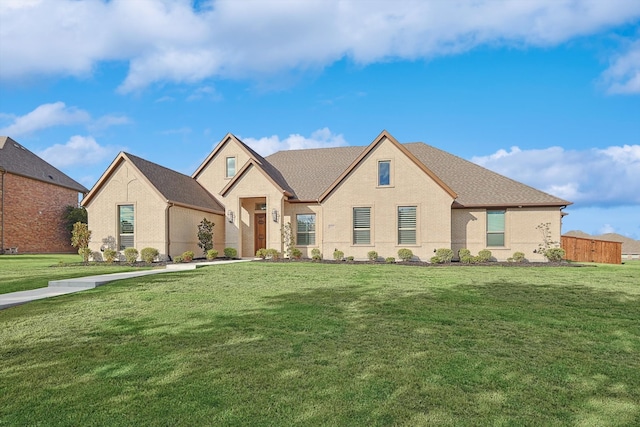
33	198
382	197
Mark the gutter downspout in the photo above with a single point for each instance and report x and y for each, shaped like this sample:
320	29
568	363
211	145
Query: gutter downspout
168	230
3	172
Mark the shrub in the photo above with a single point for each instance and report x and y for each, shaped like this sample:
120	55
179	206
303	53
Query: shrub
131	254
187	256
109	255
518	257
316	255
212	254
484	255
390	260
372	255
445	255
80	238
463	253
205	235
436	260
338	255
273	254
350	258
96	256
149	254
466	257
296	253
261	253
405	254
230	252
554	254
177	259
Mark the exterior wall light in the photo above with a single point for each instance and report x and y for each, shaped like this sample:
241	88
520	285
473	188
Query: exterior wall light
230	216
274	215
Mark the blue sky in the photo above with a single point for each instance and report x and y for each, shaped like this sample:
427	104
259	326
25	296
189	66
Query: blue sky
546	92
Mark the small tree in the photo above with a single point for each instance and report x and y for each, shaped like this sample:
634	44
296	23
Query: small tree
73	214
80	238
205	235
548	246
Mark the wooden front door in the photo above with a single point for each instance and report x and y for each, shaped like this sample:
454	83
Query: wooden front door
260	232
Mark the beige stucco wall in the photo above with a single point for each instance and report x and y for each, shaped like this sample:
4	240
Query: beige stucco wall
521	235
410	186
183	230
212	177
127	187
239	234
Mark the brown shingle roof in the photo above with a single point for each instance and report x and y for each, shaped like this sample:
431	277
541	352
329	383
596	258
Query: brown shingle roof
16	159
310	172
174	186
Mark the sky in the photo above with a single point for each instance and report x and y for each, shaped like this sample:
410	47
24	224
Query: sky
546	92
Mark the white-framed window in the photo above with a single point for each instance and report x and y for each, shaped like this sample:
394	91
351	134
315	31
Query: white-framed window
407	225
361	226
126	227
384	173
306	229
230	170
495	228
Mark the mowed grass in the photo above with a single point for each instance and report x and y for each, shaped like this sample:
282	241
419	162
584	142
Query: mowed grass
315	344
25	272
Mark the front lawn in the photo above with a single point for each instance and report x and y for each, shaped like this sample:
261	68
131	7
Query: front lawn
25	272
320	344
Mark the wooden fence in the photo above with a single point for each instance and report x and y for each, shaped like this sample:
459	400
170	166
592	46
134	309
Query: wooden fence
583	249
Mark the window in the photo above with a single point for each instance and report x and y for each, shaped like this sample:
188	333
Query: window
126	228
495	228
306	230
231	167
406	225
384	172
361	226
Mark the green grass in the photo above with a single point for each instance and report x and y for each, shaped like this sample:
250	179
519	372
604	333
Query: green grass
319	344
25	272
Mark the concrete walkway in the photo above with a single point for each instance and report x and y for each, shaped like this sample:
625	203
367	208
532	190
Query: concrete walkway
68	286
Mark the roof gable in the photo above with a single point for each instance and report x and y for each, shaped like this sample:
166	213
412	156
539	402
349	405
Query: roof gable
171	186
245	169
16	159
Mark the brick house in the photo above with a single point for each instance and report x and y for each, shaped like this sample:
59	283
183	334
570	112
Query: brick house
33	197
382	197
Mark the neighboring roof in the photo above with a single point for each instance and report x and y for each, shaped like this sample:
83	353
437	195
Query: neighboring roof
16	159
173	186
629	245
311	172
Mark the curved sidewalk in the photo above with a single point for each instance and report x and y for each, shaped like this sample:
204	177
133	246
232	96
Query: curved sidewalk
68	286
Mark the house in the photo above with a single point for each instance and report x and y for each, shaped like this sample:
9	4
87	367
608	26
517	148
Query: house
382	197
33	198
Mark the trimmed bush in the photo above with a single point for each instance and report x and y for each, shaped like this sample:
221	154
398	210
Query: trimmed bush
372	255
187	256
338	255
177	259
212	254
444	254
96	256
230	252
554	254
484	255
261	253
109	255
405	254
316	255
131	255
518	257
390	260
350	258
436	260
296	253
149	254
273	254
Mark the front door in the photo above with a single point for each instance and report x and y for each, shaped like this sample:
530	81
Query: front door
260	232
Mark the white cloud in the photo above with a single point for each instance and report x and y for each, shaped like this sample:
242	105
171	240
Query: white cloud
78	151
45	116
322	138
257	38
56	114
623	76
593	177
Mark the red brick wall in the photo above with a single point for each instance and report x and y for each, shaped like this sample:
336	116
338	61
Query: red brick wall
33	215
